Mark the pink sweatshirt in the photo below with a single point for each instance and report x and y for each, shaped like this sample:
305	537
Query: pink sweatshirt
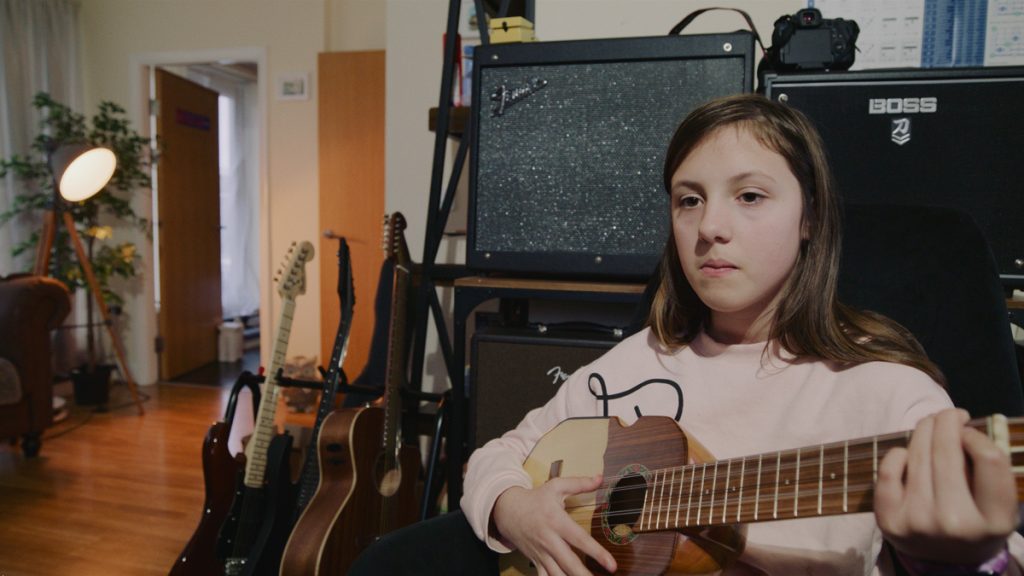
736	402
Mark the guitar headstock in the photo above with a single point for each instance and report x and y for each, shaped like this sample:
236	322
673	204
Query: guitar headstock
291	277
393	238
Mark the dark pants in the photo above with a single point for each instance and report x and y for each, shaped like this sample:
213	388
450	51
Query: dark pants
442	545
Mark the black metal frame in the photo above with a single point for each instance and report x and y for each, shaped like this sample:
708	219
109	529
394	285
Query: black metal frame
438	209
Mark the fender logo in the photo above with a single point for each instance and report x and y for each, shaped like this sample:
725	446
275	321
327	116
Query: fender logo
504	97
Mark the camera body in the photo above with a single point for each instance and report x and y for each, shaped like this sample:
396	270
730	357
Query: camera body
806	41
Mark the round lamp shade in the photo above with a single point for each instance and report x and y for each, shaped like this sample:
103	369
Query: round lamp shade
82	170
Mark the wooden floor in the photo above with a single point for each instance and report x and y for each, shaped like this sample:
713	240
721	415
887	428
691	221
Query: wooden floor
110	493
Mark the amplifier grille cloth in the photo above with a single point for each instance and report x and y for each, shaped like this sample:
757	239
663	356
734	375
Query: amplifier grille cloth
576	166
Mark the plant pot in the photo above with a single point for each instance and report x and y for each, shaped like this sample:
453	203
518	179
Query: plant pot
92	388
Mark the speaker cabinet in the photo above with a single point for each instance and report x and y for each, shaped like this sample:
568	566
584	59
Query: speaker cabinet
942	137
515	371
568	142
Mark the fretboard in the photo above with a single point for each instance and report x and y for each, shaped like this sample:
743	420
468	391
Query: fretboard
256	451
311	467
822	480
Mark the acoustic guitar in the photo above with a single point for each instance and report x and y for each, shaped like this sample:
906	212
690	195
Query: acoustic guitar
255	533
658	513
307	533
367	476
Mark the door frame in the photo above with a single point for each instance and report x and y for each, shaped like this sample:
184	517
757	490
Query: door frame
144	322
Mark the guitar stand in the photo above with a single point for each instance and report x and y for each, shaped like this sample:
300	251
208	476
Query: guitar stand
440	417
251	381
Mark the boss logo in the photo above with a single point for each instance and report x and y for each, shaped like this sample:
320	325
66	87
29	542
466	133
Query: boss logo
926	105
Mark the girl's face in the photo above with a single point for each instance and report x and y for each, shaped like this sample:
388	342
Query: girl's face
737	219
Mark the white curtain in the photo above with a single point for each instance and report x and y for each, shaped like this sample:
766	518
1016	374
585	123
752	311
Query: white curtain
239	189
39	52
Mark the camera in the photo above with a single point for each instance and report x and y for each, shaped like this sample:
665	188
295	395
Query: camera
806	41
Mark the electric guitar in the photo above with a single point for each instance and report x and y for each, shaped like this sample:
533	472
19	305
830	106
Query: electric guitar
254	535
308	531
367	476
658	513
220	468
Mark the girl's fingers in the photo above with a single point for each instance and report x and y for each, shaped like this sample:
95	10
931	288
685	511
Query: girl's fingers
584	542
993	484
889	491
919	461
948	468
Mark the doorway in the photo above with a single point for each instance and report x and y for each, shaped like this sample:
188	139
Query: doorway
236	76
206	337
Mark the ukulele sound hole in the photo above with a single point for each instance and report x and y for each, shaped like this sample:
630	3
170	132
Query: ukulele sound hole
625	502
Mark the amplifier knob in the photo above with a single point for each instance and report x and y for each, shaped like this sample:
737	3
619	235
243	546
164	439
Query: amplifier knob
1019	263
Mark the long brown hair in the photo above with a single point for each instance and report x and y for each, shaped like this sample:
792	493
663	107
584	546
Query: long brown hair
808	320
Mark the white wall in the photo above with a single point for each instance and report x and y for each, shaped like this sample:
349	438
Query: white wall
290	33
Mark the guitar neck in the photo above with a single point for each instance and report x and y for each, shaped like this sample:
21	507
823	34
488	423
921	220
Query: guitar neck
396	365
256	463
822	480
311	468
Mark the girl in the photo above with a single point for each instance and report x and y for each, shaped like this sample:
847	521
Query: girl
749	350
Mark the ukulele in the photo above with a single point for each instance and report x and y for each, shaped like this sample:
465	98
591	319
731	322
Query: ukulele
308	531
658	513
367	476
254	535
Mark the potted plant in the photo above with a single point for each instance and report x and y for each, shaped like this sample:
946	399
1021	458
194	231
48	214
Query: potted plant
96	218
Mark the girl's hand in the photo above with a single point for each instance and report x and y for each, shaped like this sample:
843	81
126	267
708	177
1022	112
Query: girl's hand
536	523
936	505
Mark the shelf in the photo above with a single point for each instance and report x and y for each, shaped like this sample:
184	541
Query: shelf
458	119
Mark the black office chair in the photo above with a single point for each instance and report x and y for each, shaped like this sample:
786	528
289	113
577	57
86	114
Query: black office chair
931	270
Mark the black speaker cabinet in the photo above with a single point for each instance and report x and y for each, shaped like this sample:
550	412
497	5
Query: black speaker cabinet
515	371
944	137
568	142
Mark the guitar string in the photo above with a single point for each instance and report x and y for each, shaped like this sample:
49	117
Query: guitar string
715	502
833	455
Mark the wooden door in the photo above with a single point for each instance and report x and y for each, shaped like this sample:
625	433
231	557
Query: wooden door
188	204
351	144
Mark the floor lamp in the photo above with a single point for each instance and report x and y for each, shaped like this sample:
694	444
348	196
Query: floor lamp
80	171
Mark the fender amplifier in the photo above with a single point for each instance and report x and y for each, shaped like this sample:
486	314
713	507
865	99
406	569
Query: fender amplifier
568	142
941	137
514	371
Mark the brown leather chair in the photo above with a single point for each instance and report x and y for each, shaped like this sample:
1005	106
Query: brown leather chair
31	307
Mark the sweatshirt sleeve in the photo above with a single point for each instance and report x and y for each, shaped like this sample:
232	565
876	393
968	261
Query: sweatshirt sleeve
498	465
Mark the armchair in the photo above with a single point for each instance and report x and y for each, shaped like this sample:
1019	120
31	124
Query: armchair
30	308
